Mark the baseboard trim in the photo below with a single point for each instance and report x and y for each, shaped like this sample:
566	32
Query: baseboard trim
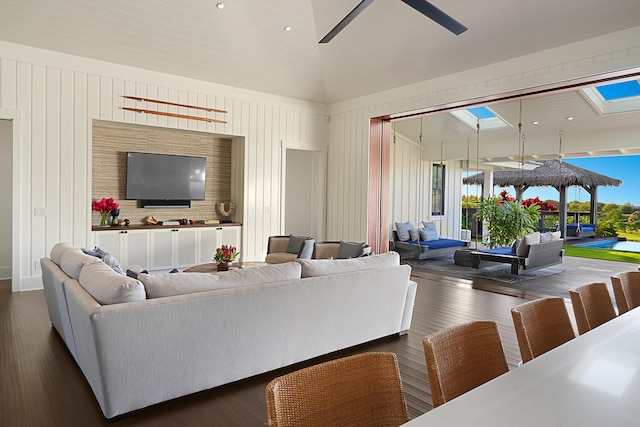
5	273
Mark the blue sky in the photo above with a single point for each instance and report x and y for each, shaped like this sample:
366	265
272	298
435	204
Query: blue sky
624	168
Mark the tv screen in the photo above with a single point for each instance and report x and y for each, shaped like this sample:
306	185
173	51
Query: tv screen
165	177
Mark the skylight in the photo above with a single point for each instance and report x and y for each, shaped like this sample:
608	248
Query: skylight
615	97
487	117
619	90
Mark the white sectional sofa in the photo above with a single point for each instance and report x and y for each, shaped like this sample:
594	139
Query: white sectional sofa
141	342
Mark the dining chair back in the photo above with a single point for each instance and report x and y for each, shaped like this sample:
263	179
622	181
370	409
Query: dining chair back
541	325
592	306
626	290
360	390
463	357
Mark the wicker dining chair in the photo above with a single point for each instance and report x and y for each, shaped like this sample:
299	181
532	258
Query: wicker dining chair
541	325
360	390
592	306
462	358
626	290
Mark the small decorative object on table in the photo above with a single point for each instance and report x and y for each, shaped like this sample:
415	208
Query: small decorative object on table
105	206
224	256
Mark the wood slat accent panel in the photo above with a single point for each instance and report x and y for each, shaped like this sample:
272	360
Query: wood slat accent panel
112	141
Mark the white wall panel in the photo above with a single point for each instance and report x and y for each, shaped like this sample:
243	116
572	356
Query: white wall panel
52	170
23	103
8	83
67	163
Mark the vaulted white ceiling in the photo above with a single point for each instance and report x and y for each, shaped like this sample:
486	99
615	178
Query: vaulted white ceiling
245	45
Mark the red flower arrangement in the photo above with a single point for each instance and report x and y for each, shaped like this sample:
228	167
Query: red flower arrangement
225	254
104	206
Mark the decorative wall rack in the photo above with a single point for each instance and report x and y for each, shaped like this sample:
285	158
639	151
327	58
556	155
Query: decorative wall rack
181	116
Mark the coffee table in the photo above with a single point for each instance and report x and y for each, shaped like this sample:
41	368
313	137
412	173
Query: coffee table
210	267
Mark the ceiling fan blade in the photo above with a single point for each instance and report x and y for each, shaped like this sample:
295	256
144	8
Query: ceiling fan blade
432	12
346	20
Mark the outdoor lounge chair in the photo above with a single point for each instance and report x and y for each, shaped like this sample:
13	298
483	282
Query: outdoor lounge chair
581	230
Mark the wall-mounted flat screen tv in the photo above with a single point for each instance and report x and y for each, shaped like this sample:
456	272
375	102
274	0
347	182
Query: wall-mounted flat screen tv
162	178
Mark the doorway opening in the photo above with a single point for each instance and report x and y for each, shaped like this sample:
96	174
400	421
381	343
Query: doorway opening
304	192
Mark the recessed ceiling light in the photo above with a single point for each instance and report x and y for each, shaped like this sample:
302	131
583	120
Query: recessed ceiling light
287	28
569	118
220	5
535	122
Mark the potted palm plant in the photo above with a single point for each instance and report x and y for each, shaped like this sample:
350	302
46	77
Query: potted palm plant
506	220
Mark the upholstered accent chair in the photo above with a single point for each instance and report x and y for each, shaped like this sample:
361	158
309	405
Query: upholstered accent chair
287	248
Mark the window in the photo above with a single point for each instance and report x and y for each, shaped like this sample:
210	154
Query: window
487	118
437	190
615	98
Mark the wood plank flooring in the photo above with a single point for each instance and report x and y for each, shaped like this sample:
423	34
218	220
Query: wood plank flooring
42	386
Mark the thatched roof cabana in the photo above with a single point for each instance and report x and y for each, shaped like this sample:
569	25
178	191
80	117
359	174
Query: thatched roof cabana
552	173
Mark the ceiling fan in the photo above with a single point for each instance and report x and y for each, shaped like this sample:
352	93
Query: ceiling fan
422	6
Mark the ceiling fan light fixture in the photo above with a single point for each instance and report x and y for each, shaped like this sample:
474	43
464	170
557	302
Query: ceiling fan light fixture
437	15
422	6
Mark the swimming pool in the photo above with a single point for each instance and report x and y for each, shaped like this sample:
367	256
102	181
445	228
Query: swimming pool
613	245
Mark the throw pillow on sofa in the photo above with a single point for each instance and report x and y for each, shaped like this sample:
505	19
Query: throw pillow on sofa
307	249
430	231
529	239
350	250
295	243
402	230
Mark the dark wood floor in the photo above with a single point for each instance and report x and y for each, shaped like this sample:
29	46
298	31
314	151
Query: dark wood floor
42	385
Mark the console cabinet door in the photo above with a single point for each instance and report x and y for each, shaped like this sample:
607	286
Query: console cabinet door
129	247
186	244
162	249
136	247
111	242
208	242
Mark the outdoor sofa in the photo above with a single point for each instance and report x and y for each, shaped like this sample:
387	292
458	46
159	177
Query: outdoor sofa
533	251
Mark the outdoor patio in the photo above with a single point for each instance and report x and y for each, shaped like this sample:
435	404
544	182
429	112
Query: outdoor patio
552	281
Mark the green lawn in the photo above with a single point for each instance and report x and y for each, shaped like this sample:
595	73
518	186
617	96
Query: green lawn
602	254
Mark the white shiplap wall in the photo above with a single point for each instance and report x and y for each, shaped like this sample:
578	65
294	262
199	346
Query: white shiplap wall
58	96
410	198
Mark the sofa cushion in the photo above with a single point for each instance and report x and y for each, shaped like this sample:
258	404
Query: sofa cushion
295	243
402	230
414	234
350	250
324	267
431	232
556	235
109	287
279	257
165	285
57	251
73	259
545	237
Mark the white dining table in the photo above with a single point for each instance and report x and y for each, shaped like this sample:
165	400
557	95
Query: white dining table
592	380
